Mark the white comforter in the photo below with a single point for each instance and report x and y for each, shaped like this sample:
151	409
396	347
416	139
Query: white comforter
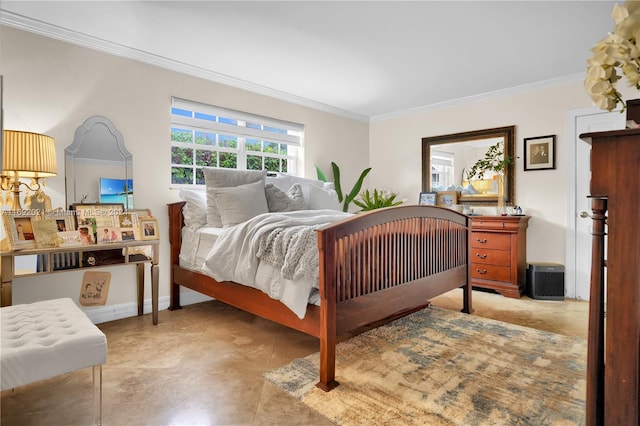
234	257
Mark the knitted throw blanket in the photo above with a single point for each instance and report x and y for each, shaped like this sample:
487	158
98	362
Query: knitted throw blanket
293	249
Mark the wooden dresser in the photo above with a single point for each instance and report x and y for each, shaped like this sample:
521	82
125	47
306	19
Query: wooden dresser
498	250
613	360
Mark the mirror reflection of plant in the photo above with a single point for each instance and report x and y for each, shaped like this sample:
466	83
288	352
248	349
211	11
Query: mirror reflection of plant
345	200
376	200
494	160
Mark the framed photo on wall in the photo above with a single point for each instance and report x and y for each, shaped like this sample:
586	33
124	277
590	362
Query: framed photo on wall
540	153
427	199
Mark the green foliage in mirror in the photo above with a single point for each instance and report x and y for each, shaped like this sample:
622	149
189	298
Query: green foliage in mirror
494	160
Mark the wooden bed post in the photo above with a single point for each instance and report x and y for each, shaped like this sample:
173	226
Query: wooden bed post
467	289
176	223
328	327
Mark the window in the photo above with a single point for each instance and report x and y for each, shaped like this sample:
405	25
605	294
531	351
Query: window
441	170
208	136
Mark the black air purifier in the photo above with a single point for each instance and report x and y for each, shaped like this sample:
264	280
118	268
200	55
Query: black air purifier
545	281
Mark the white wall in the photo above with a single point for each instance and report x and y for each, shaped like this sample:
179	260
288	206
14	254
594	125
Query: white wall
52	87
395	147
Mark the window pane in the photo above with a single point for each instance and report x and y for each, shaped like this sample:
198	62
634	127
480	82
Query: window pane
254	162
181	155
227	121
181	135
253	126
228	141
203	116
181	175
272	164
206	158
284	165
204	138
200	176
253	145
228	160
182	112
275	130
283	148
271	147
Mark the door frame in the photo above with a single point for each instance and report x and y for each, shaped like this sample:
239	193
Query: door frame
570	190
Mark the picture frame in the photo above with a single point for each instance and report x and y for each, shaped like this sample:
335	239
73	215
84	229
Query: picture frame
447	198
46	232
20	230
65	221
427	199
540	153
149	229
97	215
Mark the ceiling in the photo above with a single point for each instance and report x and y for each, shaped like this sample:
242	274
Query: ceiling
362	59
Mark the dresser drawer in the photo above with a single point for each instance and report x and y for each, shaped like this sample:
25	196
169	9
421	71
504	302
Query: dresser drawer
491	257
491	240
490	272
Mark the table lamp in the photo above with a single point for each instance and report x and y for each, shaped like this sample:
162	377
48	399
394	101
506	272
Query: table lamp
25	155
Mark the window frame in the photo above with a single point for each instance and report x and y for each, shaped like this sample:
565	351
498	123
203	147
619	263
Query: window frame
244	127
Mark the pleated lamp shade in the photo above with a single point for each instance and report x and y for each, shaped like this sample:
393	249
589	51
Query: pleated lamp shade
28	154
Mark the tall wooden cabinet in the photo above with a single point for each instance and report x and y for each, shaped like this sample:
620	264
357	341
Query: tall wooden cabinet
498	253
613	376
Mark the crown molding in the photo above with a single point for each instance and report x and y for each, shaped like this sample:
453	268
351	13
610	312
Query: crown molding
480	97
59	33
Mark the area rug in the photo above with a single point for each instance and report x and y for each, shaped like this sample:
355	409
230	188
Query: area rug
440	367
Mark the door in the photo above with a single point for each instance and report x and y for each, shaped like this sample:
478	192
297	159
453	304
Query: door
580	224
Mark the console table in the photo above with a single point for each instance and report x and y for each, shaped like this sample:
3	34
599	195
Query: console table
498	253
8	271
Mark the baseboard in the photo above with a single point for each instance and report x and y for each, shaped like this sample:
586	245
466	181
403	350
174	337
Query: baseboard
102	314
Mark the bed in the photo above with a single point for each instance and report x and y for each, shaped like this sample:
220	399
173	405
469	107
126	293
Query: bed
373	267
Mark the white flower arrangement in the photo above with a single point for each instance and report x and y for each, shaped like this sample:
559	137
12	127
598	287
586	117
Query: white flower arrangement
618	51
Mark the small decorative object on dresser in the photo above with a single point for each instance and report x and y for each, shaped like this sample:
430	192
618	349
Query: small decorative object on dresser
498	254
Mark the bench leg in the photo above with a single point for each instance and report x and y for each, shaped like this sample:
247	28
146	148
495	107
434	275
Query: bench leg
97	396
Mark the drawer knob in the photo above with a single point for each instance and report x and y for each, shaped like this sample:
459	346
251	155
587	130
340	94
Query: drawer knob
481	256
483	271
481	240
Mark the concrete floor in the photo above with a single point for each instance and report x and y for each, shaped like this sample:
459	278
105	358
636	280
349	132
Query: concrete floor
203	365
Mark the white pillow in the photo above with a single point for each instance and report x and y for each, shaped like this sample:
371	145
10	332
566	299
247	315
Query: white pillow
195	209
280	201
320	199
240	203
226	178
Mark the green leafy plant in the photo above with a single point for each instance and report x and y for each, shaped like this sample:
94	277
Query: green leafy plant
376	200
494	160
345	200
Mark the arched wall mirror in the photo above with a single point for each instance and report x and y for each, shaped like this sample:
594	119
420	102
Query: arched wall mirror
98	167
447	159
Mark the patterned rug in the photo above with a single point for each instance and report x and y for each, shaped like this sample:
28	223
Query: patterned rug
439	367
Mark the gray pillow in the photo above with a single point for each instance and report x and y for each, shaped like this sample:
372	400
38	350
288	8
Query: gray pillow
226	178
240	203
280	201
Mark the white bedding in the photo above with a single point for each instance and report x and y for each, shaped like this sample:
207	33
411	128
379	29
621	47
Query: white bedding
196	245
233	257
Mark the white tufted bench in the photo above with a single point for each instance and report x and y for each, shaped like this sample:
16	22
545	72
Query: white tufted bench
45	339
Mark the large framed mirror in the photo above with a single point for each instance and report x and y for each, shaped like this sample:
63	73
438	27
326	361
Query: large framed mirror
447	160
98	166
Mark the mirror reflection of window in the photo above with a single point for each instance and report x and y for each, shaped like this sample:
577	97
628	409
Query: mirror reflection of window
442	170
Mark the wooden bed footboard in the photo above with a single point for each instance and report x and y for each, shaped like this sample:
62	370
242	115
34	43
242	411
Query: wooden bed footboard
386	263
374	267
